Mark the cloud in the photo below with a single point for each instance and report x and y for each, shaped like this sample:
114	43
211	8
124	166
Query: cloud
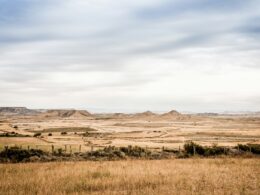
130	55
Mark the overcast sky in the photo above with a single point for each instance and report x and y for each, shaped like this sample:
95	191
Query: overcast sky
127	56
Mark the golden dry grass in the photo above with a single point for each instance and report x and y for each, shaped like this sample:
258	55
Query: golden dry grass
176	176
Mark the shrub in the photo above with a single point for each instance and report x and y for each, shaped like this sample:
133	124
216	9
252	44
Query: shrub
50	134
205	151
15	154
64	133
215	150
37	135
190	146
255	148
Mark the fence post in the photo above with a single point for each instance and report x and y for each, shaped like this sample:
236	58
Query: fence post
70	149
79	148
52	148
28	147
162	148
194	150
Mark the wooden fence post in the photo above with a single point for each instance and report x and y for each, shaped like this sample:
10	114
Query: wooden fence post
79	148
28	147
52	148
194	150
70	149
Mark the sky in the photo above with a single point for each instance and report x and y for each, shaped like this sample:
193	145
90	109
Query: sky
131	56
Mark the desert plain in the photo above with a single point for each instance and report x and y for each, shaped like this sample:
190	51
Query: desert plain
83	130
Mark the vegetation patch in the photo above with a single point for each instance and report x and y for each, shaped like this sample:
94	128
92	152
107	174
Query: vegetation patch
13	134
67	129
254	148
16	154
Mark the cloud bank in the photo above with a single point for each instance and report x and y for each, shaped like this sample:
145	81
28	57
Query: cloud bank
130	55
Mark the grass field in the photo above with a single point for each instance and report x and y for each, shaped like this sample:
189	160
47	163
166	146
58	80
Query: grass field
177	176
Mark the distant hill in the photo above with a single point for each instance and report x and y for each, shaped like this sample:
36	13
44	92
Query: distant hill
172	113
17	111
147	114
60	113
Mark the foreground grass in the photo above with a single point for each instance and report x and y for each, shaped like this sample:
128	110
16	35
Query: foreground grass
177	176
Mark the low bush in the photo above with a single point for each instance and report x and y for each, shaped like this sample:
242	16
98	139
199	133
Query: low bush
254	148
191	148
50	134
16	154
37	135
215	150
64	133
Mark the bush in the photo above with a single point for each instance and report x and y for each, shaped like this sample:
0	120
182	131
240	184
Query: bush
135	151
15	154
190	146
205	151
64	133
215	150
37	135
254	148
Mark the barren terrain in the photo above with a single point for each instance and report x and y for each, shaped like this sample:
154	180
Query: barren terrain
82	130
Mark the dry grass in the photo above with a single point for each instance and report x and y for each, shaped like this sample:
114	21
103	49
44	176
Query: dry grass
177	176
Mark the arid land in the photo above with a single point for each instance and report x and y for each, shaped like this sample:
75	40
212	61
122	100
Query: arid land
81	131
84	131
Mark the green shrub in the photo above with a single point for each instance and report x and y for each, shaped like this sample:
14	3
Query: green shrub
64	133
